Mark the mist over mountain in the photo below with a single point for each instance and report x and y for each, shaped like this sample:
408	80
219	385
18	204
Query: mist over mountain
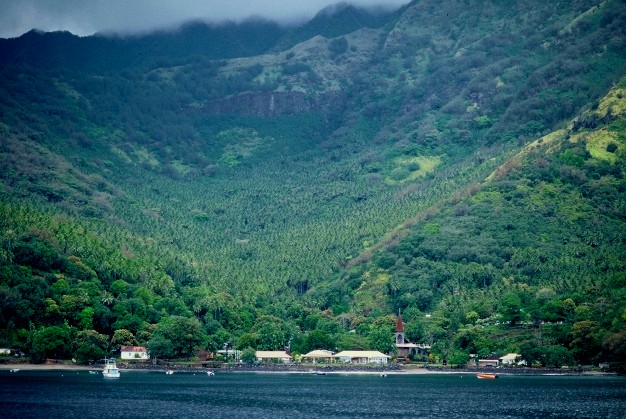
272	185
140	17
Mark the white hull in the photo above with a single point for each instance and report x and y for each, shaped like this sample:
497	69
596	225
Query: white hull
110	369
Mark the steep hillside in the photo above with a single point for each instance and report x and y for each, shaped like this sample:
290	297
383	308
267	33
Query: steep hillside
539	247
264	180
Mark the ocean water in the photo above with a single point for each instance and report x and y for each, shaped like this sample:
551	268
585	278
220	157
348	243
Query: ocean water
67	394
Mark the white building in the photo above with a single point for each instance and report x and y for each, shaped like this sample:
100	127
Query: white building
134	353
319	354
362	357
273	356
511	359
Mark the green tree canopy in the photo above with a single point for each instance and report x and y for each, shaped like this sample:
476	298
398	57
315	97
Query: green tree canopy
50	342
177	337
319	339
89	346
382	339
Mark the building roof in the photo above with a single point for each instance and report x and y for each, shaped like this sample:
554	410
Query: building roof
406	345
512	356
412	345
133	349
360	354
319	353
272	354
399	324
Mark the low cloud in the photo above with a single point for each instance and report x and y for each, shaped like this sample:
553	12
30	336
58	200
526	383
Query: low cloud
138	16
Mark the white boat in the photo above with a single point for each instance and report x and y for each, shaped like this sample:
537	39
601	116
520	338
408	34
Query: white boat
210	373
15	369
110	369
93	372
169	372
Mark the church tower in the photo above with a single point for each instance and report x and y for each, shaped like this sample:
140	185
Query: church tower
400	339
406	348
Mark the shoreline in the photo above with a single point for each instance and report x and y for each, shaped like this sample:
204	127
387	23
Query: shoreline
311	369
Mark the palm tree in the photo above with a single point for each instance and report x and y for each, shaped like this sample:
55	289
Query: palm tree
107	298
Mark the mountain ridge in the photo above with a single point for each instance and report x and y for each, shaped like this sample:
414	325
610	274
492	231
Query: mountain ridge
322	184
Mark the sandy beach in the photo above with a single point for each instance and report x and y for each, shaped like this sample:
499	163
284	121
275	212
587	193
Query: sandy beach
46	367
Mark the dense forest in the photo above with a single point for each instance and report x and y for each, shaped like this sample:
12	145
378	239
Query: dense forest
273	187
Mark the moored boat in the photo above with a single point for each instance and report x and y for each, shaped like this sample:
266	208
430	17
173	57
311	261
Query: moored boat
169	372
486	376
110	369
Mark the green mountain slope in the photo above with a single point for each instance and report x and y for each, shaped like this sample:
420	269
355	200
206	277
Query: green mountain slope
538	246
271	182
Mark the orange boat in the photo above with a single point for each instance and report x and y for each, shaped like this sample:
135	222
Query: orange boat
485	376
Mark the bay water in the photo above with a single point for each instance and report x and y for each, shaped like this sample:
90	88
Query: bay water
139	394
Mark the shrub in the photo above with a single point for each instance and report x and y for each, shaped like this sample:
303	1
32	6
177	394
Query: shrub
611	147
248	355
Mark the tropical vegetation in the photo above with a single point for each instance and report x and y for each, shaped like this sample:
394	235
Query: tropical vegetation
270	187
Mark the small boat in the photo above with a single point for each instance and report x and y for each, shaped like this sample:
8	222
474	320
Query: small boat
93	372
15	369
210	373
110	369
486	376
383	374
169	372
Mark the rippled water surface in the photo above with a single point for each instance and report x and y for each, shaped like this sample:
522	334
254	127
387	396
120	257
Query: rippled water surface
56	394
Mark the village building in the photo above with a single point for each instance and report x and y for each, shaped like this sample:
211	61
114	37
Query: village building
505	360
403	346
362	357
511	359
273	356
134	353
492	361
319	355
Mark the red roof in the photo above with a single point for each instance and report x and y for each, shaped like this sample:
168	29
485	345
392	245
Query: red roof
133	349
399	325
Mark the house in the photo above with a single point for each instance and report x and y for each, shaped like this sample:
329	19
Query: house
362	357
134	353
492	361
511	359
404	347
319	354
273	356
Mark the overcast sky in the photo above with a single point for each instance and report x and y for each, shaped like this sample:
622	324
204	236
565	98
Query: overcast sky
85	17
